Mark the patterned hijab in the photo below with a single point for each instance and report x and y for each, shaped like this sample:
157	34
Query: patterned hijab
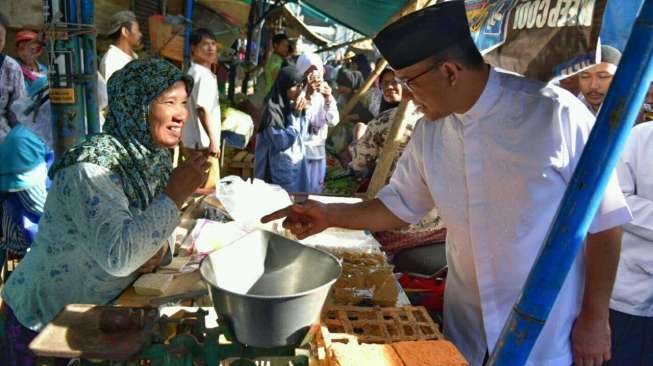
126	146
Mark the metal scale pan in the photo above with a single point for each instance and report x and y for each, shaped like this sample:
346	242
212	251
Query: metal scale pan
268	289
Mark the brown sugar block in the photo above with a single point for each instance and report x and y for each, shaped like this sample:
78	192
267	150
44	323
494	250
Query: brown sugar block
367	354
429	353
386	293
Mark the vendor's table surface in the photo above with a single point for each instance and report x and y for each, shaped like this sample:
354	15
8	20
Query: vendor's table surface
189	282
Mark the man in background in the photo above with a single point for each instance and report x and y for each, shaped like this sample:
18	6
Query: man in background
280	50
595	81
126	36
201	132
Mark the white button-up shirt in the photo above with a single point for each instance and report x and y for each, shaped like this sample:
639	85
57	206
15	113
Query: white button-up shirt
633	288
497	175
204	95
114	60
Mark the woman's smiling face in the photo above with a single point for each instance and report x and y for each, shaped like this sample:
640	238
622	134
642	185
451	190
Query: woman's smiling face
168	113
390	87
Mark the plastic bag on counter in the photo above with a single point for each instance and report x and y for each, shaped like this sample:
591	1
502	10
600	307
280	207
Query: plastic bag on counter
248	201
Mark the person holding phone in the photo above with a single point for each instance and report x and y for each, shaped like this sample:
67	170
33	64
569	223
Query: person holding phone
321	113
280	151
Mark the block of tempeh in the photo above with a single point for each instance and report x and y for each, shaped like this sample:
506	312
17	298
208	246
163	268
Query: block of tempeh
381	324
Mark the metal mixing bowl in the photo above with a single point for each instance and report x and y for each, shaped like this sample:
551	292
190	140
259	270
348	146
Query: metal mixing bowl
268	289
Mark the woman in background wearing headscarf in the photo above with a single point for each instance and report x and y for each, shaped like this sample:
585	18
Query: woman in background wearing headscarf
321	113
348	84
29	48
26	154
367	150
280	153
113	205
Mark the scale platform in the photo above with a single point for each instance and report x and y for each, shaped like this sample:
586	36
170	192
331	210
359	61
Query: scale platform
162	338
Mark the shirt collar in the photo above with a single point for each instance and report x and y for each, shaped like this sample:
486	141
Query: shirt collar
132	56
201	66
485	102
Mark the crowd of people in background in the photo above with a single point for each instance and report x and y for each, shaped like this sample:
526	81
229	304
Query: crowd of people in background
300	100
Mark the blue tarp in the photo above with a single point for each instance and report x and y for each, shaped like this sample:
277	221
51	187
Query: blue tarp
618	22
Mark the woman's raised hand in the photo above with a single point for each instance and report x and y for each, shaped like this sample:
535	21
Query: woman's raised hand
187	177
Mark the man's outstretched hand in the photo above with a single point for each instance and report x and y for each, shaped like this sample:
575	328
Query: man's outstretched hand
303	220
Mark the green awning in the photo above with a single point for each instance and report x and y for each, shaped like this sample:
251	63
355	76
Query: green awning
364	16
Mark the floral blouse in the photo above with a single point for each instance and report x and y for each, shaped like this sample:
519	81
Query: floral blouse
89	245
367	150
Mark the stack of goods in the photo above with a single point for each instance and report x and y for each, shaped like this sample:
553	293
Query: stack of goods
384	337
366	278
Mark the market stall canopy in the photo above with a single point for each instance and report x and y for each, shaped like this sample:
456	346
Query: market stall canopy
298	26
236	12
364	16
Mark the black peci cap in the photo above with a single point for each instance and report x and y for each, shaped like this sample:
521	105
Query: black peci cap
423	33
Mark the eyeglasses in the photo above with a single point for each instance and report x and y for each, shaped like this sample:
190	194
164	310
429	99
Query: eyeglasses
406	83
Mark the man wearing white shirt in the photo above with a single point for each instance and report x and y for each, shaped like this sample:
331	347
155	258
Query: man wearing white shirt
495	153
631	305
126	35
201	132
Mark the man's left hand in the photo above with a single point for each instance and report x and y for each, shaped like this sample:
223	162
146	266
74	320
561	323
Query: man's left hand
590	339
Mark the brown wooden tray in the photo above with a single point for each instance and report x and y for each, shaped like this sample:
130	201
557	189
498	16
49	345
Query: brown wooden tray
380	325
75	332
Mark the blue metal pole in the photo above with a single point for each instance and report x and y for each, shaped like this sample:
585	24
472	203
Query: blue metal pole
189	28
90	68
583	196
66	91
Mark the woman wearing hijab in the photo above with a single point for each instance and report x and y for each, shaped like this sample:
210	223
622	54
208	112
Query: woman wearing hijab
321	113
280	153
367	150
348	84
362	64
113	204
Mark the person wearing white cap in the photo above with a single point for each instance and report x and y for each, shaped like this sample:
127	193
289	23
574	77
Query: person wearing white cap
321	113
595	81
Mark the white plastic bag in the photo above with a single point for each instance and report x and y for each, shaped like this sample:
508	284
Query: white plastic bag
248	201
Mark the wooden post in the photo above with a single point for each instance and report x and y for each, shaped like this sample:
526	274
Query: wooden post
392	143
345	44
398	128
